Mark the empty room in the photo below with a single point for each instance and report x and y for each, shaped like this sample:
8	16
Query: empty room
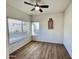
39	29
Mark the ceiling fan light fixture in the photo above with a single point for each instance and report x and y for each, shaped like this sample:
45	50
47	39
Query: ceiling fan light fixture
37	8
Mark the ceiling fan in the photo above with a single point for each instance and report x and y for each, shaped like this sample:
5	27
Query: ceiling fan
37	6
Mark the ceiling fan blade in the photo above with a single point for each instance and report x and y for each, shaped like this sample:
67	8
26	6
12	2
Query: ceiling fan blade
44	6
40	10
33	9
29	3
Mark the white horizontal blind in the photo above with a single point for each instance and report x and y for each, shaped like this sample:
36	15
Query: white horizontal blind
18	30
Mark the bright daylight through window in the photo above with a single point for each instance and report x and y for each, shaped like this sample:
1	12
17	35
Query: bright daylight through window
18	30
35	28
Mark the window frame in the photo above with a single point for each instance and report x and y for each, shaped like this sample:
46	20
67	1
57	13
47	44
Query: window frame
8	28
39	27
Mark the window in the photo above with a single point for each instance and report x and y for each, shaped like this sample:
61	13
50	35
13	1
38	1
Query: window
18	30
35	28
26	27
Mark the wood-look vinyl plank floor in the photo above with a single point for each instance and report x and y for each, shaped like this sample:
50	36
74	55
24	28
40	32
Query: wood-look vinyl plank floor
41	50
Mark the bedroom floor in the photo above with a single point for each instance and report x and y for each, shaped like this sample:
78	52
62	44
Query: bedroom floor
41	50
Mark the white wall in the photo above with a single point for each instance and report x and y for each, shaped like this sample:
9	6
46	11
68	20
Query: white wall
14	13
7	45
55	35
68	29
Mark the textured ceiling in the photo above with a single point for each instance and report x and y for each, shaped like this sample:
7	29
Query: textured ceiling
55	6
